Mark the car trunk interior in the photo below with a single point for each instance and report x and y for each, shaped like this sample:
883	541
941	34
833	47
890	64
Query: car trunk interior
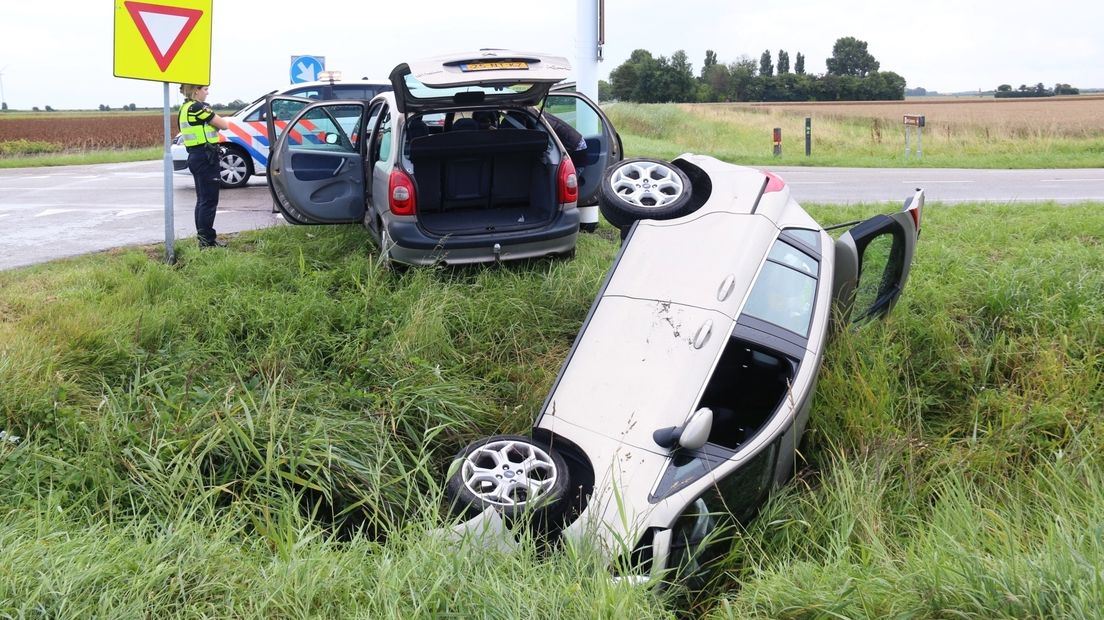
472	181
746	388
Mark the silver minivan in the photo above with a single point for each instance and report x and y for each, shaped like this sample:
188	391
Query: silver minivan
461	163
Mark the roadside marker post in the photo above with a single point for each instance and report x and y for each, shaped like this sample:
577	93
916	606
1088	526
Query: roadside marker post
164	41
777	141
917	121
808	136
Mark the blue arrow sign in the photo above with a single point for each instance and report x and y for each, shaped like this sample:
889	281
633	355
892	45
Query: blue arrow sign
306	68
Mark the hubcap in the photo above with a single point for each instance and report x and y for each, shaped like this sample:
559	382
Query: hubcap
508	473
233	168
647	184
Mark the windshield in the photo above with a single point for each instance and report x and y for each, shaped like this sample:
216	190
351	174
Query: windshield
421	92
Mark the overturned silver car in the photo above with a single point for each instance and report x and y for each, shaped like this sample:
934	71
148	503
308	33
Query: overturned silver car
688	388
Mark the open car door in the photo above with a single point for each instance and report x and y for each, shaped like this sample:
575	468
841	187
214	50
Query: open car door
316	164
603	143
873	261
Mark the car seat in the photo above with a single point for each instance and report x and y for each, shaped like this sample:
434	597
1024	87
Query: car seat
416	128
465	124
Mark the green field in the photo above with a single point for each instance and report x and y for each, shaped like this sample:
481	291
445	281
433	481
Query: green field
1051	133
262	433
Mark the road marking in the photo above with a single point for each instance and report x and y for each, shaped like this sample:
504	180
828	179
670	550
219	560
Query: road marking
126	212
48	212
931	182
1070	180
812	183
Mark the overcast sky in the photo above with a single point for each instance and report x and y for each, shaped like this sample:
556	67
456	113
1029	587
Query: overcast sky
60	52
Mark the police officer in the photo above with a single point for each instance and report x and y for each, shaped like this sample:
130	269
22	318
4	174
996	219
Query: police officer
199	126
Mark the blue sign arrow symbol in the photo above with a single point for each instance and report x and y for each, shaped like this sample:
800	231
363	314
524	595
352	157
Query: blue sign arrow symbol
307	71
306	68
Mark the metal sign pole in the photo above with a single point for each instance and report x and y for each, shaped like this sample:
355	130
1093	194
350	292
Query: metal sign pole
170	230
907	129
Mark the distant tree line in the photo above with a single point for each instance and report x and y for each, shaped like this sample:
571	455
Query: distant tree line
1005	91
852	75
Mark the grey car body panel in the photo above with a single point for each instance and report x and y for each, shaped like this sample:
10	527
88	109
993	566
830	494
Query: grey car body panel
698	277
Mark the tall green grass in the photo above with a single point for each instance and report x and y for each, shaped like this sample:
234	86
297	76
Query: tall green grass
262	432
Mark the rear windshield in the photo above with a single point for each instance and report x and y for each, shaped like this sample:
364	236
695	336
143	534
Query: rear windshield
421	92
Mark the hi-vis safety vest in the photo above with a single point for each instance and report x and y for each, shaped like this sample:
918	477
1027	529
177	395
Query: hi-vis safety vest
195	131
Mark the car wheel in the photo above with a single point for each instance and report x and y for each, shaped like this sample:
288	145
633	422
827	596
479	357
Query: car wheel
638	189
233	168
513	474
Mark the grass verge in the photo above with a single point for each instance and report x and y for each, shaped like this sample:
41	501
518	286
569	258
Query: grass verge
262	432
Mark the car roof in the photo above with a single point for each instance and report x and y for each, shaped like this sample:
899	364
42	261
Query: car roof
322	83
486	76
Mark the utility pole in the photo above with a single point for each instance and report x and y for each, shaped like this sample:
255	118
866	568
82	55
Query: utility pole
2	99
589	41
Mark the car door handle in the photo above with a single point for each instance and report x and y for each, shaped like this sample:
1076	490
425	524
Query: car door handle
702	336
727	285
340	165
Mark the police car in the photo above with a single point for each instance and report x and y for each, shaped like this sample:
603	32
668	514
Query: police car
245	144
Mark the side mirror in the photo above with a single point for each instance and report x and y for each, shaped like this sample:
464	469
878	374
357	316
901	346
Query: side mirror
691	435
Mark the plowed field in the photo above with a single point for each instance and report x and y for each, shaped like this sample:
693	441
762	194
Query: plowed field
93	132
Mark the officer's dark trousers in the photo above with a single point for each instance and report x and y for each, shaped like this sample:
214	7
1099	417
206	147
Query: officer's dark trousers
205	171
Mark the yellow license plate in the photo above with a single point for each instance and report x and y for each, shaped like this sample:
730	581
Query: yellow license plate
493	66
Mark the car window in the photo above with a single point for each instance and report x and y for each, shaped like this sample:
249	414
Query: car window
381	144
312	92
784	292
810	238
419	91
883	261
575	112
358	91
327	128
285	110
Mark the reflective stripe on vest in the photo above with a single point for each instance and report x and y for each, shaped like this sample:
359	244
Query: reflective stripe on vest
195	132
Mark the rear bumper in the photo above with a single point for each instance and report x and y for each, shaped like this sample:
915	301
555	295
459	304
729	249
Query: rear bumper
412	245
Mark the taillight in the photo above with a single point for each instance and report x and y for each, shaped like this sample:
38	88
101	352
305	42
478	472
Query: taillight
774	183
400	192
569	182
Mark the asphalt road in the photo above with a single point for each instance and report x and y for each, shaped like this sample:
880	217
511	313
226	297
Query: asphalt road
50	213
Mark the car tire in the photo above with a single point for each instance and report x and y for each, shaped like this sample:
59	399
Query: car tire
234	167
514	474
644	189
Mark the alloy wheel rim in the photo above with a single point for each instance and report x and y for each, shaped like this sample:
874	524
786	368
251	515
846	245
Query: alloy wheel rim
508	473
